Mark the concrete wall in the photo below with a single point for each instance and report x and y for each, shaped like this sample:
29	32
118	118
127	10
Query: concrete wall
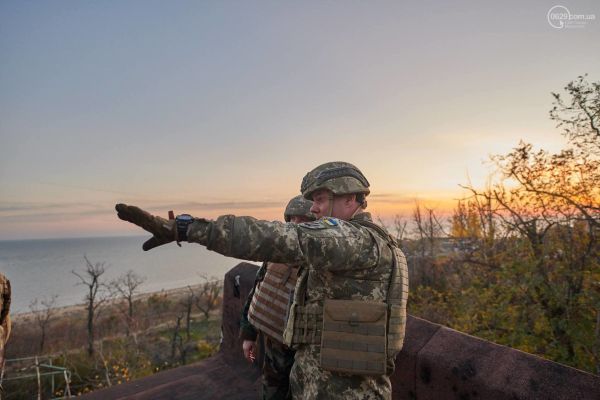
440	363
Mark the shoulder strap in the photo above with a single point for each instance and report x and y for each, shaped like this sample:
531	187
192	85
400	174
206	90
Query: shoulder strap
398	288
382	232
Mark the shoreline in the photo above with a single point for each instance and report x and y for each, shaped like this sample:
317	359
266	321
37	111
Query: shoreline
39	239
64	311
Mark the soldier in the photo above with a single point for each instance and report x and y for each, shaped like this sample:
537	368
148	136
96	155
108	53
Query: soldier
4	315
349	312
266	311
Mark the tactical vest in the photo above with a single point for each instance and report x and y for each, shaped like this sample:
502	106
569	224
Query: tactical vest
355	336
272	298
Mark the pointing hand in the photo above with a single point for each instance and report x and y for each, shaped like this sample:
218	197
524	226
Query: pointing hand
163	230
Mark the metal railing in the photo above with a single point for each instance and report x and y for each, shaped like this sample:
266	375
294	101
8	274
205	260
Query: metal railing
32	368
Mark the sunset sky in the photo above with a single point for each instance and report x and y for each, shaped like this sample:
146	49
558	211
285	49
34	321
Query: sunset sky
213	107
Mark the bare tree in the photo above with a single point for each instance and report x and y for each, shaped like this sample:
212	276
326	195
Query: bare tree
400	224
579	115
568	182
43	311
188	302
420	230
126	287
209	295
91	279
428	228
176	340
398	229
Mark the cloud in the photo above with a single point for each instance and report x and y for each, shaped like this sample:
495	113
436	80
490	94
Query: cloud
390	198
86	188
28	206
219	205
12	211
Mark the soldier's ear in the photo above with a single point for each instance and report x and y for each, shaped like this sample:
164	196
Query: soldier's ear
349	200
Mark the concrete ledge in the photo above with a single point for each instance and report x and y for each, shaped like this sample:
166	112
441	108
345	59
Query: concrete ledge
404	379
213	378
237	284
453	365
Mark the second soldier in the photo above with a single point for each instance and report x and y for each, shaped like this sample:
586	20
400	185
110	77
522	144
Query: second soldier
266	312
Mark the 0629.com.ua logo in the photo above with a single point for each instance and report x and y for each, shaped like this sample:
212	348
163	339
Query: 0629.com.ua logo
559	17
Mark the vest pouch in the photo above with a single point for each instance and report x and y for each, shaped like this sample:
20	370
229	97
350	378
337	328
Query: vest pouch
396	328
354	337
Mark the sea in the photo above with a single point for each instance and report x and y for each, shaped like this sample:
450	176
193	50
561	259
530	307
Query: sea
42	268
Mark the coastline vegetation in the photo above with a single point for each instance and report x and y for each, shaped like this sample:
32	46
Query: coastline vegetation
162	335
519	261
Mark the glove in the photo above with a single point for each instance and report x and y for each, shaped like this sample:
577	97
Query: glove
164	230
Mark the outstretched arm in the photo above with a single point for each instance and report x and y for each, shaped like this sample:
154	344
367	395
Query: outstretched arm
249	238
325	242
315	243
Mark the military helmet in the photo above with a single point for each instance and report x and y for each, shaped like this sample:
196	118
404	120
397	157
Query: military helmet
339	177
298	206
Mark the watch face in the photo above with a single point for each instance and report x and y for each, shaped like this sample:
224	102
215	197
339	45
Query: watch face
184	217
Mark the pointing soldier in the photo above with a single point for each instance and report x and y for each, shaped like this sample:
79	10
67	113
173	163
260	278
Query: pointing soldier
348	317
267	309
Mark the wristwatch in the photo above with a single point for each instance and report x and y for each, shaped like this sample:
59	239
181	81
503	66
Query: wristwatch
183	221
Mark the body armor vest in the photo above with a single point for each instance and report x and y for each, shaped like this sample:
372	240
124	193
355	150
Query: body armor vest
272	298
355	336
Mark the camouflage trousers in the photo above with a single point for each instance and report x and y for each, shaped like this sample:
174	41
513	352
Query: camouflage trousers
309	381
276	370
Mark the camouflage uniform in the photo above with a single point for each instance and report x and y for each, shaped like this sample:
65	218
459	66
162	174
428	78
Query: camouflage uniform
278	358
4	315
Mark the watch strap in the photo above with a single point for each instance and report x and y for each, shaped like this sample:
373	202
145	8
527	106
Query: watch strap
182	223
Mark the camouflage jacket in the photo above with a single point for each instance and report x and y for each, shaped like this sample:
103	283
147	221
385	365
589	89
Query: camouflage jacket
344	259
